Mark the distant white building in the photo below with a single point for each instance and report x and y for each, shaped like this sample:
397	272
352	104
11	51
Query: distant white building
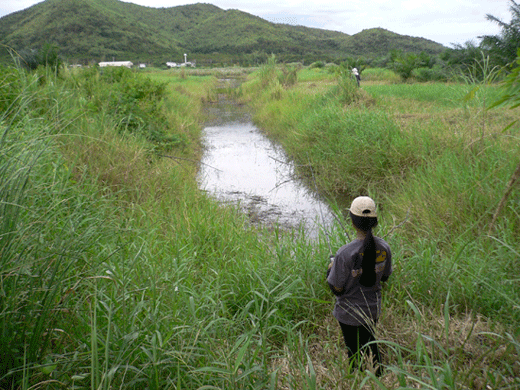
186	63
128	64
181	65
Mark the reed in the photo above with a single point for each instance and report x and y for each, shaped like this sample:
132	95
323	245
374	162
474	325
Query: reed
117	272
49	228
437	175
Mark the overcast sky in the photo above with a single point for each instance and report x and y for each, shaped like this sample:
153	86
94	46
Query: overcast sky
442	21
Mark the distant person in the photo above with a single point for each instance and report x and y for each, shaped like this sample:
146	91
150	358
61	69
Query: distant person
354	276
356	75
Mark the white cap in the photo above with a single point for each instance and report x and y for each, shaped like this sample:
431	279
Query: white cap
363	206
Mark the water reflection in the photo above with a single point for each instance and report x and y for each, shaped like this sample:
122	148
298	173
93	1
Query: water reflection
243	166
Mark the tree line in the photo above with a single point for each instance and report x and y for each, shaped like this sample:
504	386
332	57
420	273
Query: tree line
498	51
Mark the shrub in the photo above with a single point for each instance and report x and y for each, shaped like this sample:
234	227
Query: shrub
347	87
430	74
267	71
289	75
317	64
48	57
134	100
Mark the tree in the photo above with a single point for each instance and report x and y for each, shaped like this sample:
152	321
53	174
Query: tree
503	47
511	97
462	57
359	63
48	56
511	87
405	64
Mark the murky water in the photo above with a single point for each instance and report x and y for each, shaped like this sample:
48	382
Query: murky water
243	166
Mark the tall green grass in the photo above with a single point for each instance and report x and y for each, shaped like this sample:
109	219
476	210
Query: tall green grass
438	94
444	184
50	230
442	354
381	75
118	273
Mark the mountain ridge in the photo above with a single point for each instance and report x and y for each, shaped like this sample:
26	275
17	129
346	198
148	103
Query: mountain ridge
95	30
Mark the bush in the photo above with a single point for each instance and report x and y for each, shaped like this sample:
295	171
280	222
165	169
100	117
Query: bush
317	64
134	100
267	71
348	90
430	74
48	57
289	75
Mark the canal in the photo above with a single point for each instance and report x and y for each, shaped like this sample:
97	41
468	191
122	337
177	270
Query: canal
242	166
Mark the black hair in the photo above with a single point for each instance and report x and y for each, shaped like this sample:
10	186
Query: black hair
368	250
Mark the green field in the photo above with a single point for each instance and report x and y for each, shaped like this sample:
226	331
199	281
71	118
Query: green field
117	272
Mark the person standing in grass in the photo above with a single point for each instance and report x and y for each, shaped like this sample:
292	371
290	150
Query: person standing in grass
356	76
355	275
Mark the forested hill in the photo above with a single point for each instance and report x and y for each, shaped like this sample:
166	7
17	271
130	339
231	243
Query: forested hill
94	30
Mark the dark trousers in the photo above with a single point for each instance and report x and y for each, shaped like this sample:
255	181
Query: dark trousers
357	338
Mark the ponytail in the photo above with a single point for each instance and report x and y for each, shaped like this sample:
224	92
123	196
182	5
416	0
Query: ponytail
368	250
368	277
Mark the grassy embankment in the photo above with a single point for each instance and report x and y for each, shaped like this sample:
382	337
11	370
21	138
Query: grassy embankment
116	272
438	164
